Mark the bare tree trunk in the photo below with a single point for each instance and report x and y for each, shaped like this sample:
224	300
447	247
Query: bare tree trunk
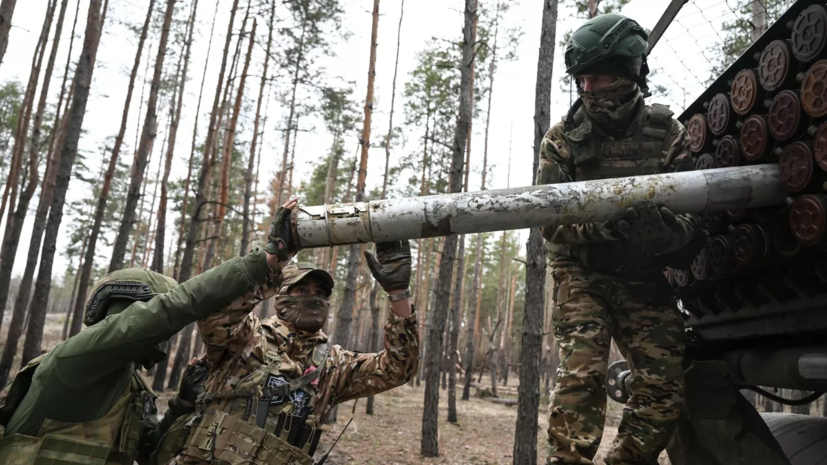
473	79
759	19
182	356
344	317
148	233
12	238
494	337
248	179
211	234
57	138
229	141
148	134
373	345
160	229
453	334
438	314
293	158
374	327
508	332
528	400
292	112
180	241
140	226
161	368
86	269
200	191
425	299
474	312
183	352
393	100
22	129
65	333
15	218
6	14
82	82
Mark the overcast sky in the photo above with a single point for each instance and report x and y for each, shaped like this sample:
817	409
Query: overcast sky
512	108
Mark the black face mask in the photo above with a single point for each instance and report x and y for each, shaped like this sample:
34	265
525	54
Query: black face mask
306	313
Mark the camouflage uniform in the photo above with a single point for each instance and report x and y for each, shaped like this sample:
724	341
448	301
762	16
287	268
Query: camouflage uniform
607	287
84	402
247	354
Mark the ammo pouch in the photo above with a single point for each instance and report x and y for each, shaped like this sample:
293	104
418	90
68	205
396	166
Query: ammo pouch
52	449
224	439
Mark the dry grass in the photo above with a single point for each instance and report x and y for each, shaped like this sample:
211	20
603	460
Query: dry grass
484	435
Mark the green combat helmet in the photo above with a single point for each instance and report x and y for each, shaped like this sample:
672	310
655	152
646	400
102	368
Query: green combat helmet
119	289
609	45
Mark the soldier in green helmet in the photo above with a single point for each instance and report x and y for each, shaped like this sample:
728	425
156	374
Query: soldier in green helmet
83	402
609	280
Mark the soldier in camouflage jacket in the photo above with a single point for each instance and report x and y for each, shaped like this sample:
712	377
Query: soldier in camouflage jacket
272	381
609	275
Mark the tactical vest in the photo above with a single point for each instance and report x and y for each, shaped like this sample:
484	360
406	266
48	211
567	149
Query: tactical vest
266	419
109	440
594	156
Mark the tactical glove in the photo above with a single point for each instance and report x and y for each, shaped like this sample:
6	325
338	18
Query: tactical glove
391	266
281	232
655	230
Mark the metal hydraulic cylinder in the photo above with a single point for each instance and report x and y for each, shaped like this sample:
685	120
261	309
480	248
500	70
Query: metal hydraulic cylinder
534	206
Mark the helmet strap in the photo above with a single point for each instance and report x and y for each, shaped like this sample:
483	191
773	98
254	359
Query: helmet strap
569	124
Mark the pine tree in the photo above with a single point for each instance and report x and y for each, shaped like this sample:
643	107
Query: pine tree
82	83
160	229
12	237
6	14
437	317
148	133
229	141
56	140
528	400
373	345
20	137
200	191
344	316
89	253
187	179
248	180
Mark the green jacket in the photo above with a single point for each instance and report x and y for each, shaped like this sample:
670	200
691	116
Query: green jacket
83	377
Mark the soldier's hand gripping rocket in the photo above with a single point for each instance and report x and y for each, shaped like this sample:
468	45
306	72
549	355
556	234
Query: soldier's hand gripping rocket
391	266
655	230
281	242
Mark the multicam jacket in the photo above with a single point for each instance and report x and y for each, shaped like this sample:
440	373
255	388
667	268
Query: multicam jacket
653	143
247	355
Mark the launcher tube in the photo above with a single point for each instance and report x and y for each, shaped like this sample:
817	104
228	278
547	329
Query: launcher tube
525	207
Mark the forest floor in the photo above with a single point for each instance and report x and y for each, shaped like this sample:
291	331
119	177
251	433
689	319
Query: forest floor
484	434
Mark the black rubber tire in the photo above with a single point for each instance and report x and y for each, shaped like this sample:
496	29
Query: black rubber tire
803	438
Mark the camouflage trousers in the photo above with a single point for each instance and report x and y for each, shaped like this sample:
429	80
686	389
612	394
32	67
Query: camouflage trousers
592	309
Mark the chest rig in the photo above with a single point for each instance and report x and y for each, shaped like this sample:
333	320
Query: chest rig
598	156
268	418
112	439
595	156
